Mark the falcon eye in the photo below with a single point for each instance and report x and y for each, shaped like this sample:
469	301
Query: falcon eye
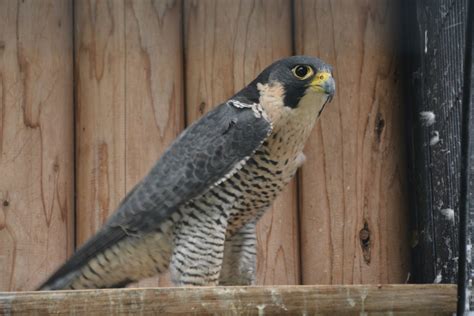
302	72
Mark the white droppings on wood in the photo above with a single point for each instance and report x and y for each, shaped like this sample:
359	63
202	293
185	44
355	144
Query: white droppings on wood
469	287
452	25
426	41
447	242
438	278
468	295
229	296
434	138
276	299
469	252
223	290
448	213
427	118
261	309
202	300
363	296
351	302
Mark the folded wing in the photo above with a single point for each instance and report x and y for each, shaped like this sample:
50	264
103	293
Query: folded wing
204	154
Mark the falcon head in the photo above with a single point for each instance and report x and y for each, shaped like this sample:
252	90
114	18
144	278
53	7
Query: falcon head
294	82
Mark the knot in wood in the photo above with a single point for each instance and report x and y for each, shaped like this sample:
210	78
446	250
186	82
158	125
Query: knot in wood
365	244
364	235
379	126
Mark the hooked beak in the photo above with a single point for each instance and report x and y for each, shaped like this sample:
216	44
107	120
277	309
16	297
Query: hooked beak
323	82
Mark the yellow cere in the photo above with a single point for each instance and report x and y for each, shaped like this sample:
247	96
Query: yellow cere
319	80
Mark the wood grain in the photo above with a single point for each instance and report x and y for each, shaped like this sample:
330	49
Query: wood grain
154	87
130	99
438	41
100	112
354	223
227	43
288	300
36	140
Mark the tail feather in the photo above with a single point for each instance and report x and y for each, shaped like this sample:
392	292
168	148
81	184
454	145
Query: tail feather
131	259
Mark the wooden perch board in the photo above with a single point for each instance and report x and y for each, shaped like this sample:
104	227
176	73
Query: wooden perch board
353	299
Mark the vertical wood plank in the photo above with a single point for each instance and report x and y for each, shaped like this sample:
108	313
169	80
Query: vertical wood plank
436	38
36	140
100	112
154	87
130	99
227	43
354	223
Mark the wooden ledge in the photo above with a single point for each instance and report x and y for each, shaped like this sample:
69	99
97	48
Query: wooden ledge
258	300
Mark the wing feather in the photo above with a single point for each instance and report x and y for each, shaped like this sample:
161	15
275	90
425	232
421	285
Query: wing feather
206	152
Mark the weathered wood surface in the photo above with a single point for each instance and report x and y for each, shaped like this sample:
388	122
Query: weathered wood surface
438	32
354	226
468	107
129	99
36	140
100	112
466	192
228	43
293	300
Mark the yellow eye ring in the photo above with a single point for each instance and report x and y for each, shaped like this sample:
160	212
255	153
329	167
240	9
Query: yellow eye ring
302	72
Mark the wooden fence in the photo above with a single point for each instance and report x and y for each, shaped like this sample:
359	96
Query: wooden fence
92	92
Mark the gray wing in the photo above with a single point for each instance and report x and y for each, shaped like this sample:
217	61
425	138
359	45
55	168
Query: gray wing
204	153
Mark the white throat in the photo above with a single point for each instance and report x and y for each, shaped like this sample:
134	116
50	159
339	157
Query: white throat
306	113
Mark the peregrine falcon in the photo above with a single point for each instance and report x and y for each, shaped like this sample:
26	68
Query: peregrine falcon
195	212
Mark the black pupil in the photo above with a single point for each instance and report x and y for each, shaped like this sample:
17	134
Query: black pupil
301	71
